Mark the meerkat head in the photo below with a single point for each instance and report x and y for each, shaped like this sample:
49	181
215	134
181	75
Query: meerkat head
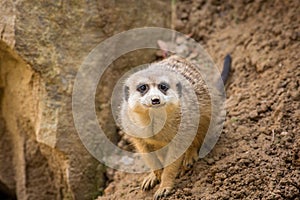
153	88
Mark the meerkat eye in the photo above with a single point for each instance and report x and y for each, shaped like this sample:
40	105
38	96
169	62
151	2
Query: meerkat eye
142	88
163	87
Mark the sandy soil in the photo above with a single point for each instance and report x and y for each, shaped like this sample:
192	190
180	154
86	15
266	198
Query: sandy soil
258	154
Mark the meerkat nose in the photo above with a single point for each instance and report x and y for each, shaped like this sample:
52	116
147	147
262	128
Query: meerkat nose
155	100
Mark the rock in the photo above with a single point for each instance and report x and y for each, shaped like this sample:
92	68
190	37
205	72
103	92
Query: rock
42	45
210	161
295	95
110	189
179	25
184	15
182	50
253	114
263	108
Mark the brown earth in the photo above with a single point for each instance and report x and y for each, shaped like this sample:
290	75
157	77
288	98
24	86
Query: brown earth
258	153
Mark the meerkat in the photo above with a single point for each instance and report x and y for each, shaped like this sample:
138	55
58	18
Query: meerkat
152	101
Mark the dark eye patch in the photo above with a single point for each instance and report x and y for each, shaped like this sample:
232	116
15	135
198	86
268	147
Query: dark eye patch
142	88
126	92
179	89
163	87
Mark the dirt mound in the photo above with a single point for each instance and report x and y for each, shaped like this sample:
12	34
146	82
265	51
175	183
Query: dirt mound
258	154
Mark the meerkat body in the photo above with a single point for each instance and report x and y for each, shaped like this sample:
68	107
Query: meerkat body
153	107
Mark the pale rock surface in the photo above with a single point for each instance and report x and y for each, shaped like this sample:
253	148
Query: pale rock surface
42	46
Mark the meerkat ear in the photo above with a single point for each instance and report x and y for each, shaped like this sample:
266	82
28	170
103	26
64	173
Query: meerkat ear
179	89
126	92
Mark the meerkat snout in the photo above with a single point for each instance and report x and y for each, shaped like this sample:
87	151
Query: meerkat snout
155	100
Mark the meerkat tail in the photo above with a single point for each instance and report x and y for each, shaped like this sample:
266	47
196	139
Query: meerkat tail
226	68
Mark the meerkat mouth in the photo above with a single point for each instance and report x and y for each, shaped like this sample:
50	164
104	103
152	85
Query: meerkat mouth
155	106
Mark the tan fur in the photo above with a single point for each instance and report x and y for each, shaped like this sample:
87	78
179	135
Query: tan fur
140	114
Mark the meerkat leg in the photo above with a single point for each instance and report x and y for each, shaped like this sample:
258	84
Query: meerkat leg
152	161
190	157
192	153
155	176
167	179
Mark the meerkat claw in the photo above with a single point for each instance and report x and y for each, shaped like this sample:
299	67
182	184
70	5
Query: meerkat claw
149	182
162	192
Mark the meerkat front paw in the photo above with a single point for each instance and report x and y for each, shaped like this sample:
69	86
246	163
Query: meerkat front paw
190	157
150	181
162	192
